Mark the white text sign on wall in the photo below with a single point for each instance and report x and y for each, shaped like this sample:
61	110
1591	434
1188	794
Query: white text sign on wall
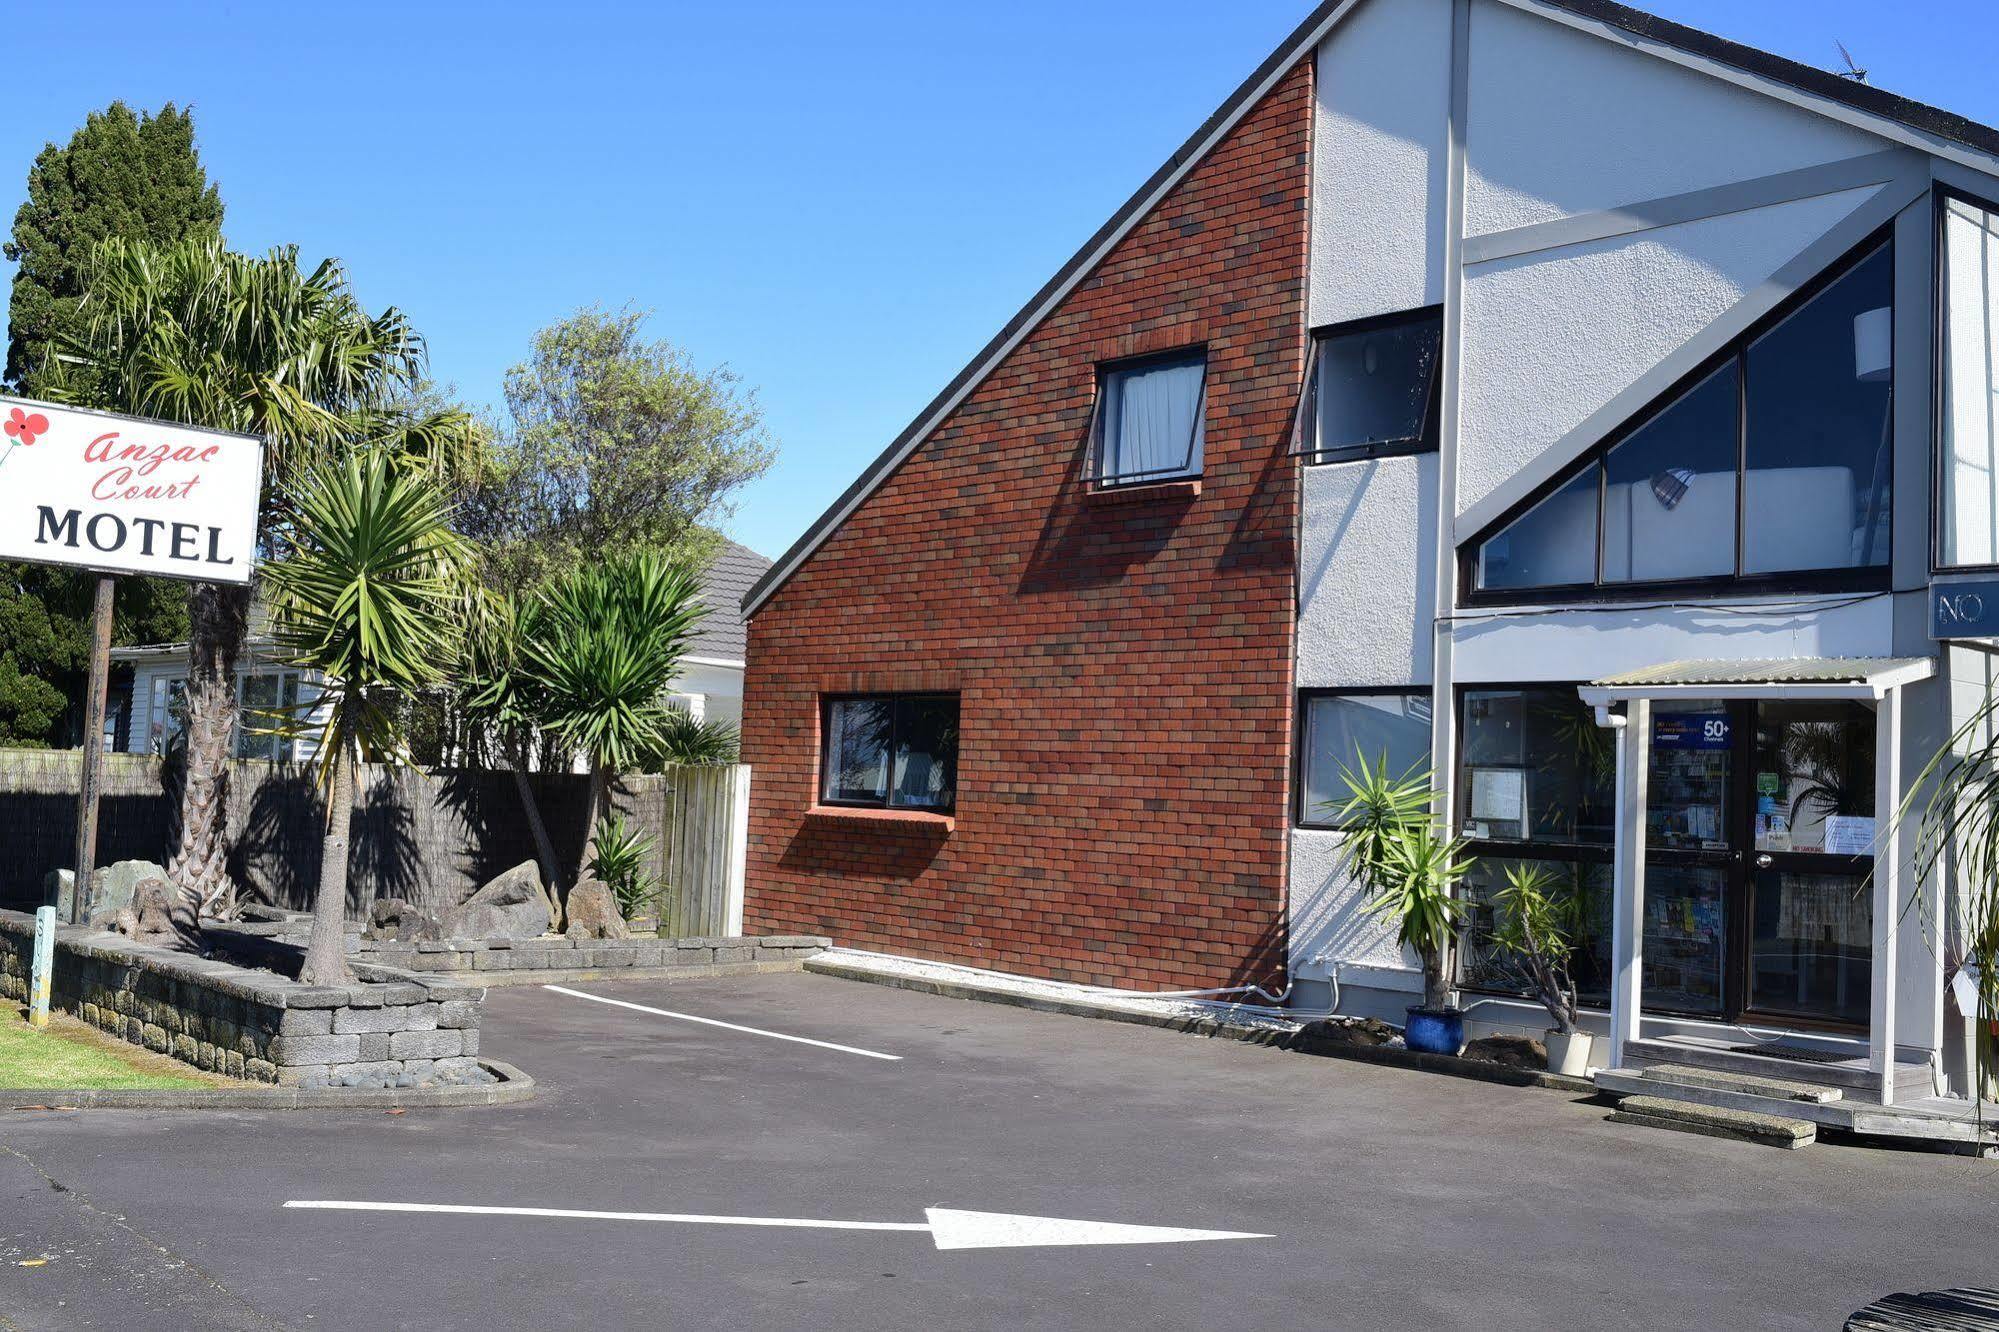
125	495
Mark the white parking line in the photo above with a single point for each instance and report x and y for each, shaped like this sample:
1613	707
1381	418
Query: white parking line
727	1026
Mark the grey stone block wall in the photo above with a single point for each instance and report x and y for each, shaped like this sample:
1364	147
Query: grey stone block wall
251	1023
488	961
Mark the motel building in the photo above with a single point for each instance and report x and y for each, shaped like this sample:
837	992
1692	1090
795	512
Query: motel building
1597	410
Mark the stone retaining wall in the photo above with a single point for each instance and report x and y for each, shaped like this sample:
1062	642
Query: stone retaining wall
488	956
390	1026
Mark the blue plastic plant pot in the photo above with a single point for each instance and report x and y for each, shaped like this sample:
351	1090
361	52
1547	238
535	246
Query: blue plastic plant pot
1434	1031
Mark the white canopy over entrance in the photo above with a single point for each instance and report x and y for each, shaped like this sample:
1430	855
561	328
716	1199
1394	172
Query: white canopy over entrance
1873	680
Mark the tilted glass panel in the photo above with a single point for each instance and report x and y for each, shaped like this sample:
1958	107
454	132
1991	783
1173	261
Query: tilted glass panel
1968	421
1553	544
1152	428
1342	729
857	749
1536	767
1374	386
1669	494
926	753
1819	439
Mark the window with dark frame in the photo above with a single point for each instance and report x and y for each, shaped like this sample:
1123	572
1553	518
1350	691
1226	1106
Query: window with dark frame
1373	388
1150	425
1967	393
1770	464
1535	787
1339	728
890	751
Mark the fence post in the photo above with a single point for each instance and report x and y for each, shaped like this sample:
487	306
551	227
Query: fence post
739	846
43	966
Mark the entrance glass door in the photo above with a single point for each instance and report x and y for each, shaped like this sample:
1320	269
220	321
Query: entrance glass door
1759	844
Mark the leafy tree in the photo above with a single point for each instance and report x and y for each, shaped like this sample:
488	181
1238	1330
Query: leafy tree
614	444
597	649
369	595
45	642
137	176
192	332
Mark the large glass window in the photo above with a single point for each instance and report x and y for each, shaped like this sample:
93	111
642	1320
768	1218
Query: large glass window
1341	729
1775	462
1536	786
1374	388
891	750
1968	371
1149	419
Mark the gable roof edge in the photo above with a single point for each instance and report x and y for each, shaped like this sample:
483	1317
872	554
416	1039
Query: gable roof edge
1239	103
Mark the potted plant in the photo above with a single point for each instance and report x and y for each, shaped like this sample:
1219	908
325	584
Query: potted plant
1410	867
1538	923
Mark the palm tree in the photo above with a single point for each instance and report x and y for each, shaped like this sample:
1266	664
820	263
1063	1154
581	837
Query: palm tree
194	333
369	596
598	648
497	698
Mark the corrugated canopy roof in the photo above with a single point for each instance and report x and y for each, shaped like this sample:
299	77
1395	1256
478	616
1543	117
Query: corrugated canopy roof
1877	673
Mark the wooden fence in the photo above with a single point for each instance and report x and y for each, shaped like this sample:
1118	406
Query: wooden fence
703	849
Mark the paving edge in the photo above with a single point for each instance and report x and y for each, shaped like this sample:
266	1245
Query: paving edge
1297	1041
500	980
514	1086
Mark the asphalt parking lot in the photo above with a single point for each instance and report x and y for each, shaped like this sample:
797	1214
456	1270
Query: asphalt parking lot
1389	1199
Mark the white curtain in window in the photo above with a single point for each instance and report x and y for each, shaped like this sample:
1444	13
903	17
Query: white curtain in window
1970	517
1155	413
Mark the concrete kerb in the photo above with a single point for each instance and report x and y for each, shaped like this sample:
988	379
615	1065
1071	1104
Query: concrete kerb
513	1087
1278	1034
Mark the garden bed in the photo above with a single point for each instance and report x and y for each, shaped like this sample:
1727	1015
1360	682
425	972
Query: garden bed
389	1029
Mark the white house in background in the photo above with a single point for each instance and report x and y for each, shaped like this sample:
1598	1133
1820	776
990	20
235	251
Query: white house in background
1652	423
143	713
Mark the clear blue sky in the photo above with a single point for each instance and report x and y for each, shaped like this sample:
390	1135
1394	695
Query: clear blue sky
842	201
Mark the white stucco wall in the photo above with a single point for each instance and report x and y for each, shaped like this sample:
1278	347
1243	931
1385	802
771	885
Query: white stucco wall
720	689
1379	161
1367	573
1561	122
1329	920
1552	336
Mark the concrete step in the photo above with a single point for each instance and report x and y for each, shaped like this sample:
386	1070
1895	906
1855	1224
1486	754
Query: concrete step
1716	1122
1711	1079
1852	1078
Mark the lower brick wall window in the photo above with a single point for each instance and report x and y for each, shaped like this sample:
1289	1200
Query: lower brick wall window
890	751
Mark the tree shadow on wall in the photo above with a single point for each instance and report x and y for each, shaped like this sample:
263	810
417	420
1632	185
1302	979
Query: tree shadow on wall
1086	543
1264	533
383	858
276	852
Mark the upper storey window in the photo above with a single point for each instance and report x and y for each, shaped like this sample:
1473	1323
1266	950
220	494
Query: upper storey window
1373	389
1772	464
1149	424
1968	401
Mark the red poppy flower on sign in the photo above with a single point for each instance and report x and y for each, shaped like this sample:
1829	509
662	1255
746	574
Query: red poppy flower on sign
24	426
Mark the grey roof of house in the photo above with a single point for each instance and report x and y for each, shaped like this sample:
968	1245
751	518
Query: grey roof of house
1805	79
722	634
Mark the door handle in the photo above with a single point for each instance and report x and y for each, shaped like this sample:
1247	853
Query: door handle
1764	860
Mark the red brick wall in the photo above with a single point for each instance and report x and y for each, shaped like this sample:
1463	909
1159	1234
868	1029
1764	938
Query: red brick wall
1124	669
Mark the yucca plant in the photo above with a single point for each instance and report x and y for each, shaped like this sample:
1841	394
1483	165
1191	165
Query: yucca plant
622	854
1407	865
597	650
496	694
1539	921
369	596
688	740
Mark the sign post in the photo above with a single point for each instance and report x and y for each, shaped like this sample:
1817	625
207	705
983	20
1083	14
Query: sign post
42	966
122	494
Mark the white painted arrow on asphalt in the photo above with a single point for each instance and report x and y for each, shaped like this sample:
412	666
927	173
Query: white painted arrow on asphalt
949	1227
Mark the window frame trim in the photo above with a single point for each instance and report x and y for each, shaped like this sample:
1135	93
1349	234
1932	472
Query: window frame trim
1094	456
1940	193
1869	578
1428	437
1302	733
824	775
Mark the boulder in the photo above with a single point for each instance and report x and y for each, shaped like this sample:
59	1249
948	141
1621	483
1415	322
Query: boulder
148	916
393	918
512	906
112	886
58	886
593	912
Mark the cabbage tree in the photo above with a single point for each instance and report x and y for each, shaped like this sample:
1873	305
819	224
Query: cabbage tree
598	647
370	595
